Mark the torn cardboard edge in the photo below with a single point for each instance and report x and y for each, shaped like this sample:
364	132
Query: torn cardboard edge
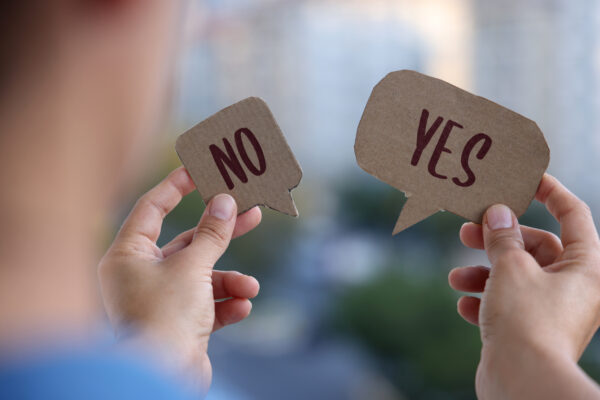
291	210
472	153
241	151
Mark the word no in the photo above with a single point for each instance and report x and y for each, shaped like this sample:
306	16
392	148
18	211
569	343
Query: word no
424	136
229	158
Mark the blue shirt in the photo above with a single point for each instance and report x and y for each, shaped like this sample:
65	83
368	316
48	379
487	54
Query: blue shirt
89	375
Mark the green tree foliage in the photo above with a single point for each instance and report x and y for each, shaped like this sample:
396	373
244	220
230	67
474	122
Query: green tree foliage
412	326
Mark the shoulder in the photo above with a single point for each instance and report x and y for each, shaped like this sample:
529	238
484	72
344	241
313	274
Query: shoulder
90	374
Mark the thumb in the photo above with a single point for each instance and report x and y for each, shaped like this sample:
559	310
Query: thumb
501	232
214	231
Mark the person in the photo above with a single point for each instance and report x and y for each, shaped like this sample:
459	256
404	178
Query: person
540	300
84	84
83	87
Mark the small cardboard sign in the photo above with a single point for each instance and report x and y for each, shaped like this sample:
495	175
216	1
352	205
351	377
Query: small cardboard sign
241	151
448	149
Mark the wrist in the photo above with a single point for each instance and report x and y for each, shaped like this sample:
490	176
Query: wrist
516	371
180	356
174	351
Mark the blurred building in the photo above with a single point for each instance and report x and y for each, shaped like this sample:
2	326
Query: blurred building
542	59
315	62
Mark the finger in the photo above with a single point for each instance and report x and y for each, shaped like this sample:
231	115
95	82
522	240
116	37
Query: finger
145	220
234	284
573	215
501	232
468	308
231	311
471	235
244	223
215	229
544	246
179	242
469	279
247	221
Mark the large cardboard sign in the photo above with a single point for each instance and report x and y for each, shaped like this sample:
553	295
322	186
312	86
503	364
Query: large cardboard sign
448	149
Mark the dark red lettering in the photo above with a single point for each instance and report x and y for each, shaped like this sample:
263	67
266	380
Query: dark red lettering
485	147
262	163
229	159
424	135
441	147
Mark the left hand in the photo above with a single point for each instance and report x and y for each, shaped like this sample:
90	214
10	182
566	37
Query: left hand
540	301
165	297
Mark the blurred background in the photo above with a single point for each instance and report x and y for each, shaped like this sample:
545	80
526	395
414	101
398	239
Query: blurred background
347	311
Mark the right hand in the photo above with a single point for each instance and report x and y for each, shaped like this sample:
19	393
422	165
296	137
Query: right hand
540	298
171	298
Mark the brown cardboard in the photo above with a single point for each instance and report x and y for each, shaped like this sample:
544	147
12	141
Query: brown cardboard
505	152
241	151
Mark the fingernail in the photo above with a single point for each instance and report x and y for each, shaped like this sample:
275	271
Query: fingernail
222	207
499	217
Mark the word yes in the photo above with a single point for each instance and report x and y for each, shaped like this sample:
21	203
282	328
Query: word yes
424	136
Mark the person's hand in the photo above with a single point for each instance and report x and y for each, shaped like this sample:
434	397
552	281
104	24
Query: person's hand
540	302
165	297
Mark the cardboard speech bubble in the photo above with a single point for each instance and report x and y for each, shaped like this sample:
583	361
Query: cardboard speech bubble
448	149
241	151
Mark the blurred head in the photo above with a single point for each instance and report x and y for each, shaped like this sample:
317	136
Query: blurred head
93	73
83	85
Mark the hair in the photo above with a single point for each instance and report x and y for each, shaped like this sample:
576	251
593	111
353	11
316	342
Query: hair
22	34
13	17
